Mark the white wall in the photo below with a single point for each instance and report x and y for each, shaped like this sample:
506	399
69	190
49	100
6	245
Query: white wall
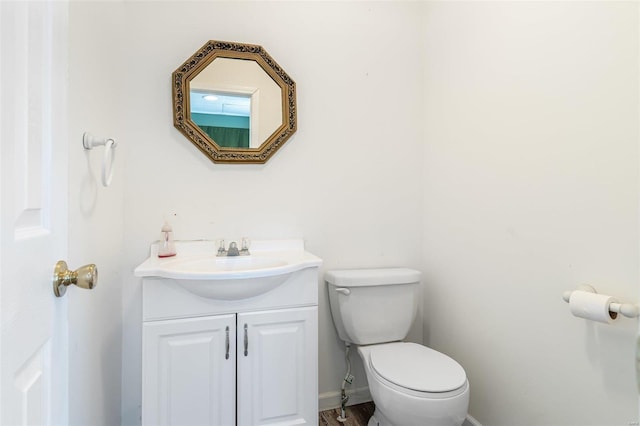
95	214
347	181
531	188
507	170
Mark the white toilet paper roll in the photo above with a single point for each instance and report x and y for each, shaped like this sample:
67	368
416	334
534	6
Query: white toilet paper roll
592	306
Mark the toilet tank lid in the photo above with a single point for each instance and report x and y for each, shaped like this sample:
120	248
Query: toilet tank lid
371	277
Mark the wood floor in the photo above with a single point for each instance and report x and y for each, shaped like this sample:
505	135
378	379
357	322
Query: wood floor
357	415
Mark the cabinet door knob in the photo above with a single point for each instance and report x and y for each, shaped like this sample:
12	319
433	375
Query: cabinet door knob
226	354
246	340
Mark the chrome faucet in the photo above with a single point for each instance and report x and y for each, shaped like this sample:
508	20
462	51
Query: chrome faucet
233	249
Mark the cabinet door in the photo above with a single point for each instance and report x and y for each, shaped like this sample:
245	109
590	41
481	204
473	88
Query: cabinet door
278	367
189	371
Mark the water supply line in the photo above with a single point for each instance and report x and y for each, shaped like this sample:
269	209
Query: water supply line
348	378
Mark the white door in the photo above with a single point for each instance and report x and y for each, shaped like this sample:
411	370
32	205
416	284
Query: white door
33	217
189	371
278	367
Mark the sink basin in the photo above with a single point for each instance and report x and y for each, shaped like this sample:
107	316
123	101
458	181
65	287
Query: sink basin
206	266
197	269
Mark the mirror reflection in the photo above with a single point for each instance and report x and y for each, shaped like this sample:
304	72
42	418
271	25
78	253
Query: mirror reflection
225	118
234	102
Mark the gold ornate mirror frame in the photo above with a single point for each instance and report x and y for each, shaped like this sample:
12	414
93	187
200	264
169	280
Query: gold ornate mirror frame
182	77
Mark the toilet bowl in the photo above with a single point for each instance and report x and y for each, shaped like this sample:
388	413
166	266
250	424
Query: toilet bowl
411	384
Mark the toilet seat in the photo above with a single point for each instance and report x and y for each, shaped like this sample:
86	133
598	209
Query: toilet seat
416	368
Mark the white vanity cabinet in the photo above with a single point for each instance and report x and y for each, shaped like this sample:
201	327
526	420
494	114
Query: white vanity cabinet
277	367
189	375
238	361
191	367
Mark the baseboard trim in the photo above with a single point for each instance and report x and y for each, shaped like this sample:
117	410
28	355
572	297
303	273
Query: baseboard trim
331	400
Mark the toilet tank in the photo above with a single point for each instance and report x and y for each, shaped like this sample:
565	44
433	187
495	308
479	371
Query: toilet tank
372	306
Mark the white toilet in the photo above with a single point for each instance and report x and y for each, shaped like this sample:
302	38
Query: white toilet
411	385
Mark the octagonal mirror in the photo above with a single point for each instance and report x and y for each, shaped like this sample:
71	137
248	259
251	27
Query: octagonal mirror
234	102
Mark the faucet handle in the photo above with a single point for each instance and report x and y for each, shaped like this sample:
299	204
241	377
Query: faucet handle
221	250
244	251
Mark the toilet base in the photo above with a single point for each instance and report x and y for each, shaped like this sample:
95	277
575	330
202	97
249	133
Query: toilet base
378	419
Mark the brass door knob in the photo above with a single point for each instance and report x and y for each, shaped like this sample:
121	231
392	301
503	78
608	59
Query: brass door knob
84	277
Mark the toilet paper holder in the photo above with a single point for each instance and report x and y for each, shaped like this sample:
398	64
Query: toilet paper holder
629	310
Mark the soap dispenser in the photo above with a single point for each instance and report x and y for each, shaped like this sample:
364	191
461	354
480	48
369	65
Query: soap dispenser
167	247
